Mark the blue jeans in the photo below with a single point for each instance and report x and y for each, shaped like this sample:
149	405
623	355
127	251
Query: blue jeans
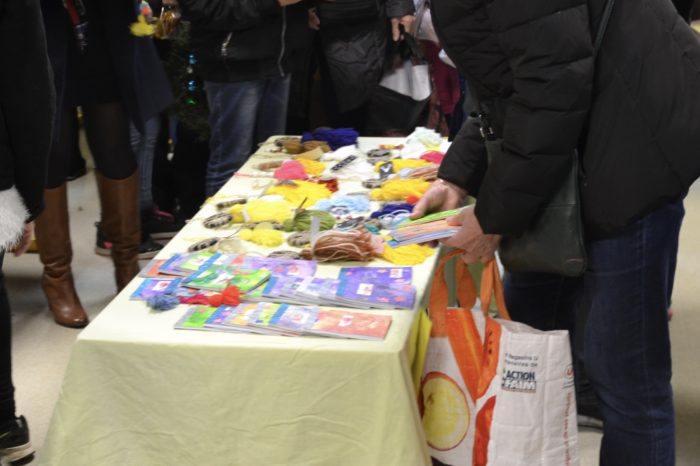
241	115
144	146
621	303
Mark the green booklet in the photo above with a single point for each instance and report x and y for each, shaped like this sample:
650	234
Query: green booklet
429	218
217	278
195	317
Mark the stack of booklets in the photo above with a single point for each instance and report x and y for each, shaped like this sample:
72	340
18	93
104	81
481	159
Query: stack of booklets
425	229
358	287
284	319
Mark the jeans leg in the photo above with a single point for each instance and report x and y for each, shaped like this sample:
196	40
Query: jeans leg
233	110
144	146
7	391
272	118
627	345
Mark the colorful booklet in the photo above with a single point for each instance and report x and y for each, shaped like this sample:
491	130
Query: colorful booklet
374	295
195	318
260	321
172	265
422	230
152	269
350	324
217	278
243	315
217	320
294	320
155	286
383	275
278	266
196	260
429	218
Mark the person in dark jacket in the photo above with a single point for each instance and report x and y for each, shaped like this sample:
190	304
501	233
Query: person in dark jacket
26	116
115	78
244	49
353	49
633	114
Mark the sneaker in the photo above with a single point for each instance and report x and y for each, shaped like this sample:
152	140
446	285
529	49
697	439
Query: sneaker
148	249
15	447
160	225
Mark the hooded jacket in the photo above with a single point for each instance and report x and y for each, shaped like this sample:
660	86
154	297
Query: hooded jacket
244	40
633	113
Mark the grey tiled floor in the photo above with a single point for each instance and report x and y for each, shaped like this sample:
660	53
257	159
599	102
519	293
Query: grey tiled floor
42	348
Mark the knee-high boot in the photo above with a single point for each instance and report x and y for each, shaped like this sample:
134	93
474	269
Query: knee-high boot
53	239
120	223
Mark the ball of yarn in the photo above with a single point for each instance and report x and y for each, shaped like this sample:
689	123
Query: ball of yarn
351	203
293	146
231	296
311	145
302	221
162	302
291	170
399	189
433	156
400	164
266	237
259	210
335	245
312	167
391	208
301	191
413	254
334	137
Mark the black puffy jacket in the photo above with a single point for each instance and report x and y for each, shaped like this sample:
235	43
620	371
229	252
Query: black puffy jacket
243	40
634	114
27	102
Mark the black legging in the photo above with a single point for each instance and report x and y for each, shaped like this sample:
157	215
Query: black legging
107	130
7	390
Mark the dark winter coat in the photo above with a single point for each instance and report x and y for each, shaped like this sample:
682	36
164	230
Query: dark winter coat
244	40
634	114
355	53
143	86
26	102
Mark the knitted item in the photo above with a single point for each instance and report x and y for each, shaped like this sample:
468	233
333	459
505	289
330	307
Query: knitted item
259	210
301	191
302	221
265	237
399	190
334	137
291	170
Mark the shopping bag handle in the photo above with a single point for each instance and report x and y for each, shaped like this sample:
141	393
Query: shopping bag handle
439	296
492	286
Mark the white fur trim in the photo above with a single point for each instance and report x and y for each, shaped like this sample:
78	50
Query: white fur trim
13	214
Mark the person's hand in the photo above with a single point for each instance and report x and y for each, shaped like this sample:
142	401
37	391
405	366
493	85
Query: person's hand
314	21
441	195
284	3
476	245
406	21
26	239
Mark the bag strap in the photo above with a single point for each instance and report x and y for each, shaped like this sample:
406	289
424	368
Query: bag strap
485	124
492	286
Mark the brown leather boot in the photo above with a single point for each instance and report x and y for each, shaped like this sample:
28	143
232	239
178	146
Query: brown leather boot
120	224
53	239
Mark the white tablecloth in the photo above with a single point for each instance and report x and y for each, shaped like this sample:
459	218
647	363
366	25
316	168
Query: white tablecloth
139	393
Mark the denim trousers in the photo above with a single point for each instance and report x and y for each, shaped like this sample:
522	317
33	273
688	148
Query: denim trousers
7	391
144	146
241	115
617	311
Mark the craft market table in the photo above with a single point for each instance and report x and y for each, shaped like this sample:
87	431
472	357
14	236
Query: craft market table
138	392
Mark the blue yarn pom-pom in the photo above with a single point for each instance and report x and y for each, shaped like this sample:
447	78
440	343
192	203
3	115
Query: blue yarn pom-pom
162	302
335	138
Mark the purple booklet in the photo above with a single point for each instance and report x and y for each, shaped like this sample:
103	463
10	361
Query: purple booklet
376	295
277	266
294	319
380	275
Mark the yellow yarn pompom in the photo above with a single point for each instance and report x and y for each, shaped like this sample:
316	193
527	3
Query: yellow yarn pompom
301	190
258	210
413	254
312	167
400	164
266	237
400	190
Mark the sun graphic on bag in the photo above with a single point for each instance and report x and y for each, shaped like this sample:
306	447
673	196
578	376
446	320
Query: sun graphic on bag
444	410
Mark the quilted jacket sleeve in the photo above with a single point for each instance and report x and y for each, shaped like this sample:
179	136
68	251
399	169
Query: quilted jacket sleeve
27	102
228	15
465	162
549	49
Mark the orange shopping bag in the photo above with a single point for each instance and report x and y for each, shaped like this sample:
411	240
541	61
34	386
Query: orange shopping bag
494	392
